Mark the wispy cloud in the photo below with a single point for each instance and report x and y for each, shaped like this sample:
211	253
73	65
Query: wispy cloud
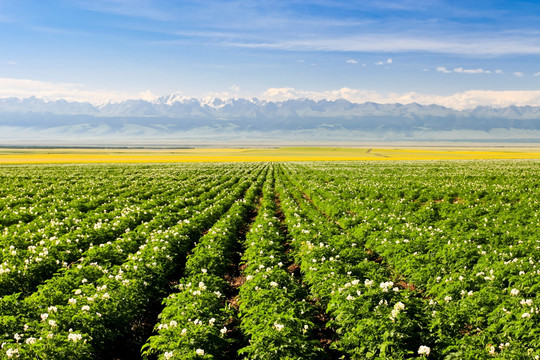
471	71
278	27
135	8
397	43
405	5
461	70
537	74
351	61
518	74
58	31
443	70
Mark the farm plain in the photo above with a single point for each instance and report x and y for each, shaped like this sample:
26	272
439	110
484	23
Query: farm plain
97	155
270	259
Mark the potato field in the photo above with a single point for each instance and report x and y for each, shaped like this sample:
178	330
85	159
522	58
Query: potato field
267	261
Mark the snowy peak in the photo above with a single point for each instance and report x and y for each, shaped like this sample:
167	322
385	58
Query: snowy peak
177	106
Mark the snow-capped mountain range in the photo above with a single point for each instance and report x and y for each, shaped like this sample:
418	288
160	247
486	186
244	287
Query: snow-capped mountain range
178	118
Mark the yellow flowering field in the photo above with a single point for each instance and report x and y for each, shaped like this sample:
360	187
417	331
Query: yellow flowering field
35	156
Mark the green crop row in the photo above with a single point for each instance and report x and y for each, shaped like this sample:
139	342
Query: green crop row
275	317
194	322
337	260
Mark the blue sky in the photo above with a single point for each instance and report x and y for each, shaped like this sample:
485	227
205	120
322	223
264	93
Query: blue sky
426	51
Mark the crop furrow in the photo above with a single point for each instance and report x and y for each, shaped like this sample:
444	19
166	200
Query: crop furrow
197	319
275	317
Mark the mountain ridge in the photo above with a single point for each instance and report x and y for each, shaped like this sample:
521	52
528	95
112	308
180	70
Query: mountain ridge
178	117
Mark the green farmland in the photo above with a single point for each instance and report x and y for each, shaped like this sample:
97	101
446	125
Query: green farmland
271	260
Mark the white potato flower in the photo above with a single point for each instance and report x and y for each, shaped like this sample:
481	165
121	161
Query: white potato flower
424	350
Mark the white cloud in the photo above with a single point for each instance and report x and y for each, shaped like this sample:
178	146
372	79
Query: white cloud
235	88
388	61
499	71
145	95
518	74
280	94
443	70
351	61
459	101
22	88
471	71
473	98
289	93
537	74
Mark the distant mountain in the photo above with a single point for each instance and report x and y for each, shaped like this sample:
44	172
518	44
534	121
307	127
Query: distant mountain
178	119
